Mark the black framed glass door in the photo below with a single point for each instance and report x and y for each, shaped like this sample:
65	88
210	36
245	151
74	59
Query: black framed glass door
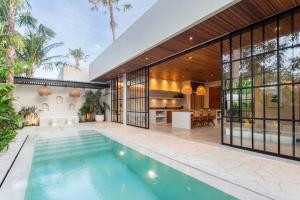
138	98
260	81
117	100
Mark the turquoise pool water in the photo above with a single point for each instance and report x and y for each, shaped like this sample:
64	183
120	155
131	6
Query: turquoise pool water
93	167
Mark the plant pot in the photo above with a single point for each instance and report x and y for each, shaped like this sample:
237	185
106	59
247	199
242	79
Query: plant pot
99	118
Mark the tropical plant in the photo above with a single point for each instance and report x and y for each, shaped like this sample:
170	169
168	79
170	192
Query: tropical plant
93	104
78	55
111	6
29	115
9	120
12	12
35	53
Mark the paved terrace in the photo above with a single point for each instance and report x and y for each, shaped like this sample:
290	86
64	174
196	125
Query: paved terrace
246	175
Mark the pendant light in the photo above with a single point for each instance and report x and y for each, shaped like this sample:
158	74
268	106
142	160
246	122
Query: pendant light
201	91
44	91
187	88
74	93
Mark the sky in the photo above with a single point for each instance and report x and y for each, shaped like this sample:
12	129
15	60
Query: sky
77	26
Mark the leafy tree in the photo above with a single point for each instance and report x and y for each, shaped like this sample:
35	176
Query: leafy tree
111	6
35	53
78	55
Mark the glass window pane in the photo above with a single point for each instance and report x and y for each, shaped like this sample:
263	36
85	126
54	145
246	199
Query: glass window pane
286	138
285	31
247	133
297	101
272	136
258	68
259	102
235	74
270	64
226	75
258	131
245	73
226	51
236	133
258	46
297	27
271	98
236	47
246	44
270	36
226	131
296	64
297	138
286	67
286	105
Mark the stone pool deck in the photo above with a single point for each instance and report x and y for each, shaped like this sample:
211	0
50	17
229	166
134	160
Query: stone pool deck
244	174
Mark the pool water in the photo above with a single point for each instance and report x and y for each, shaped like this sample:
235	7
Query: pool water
93	167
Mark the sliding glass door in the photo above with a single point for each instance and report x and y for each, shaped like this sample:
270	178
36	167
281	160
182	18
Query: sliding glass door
117	100
138	98
261	86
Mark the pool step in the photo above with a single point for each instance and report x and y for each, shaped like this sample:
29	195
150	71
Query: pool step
70	152
70	148
42	142
69	144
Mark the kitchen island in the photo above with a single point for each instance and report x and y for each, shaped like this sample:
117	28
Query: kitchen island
182	119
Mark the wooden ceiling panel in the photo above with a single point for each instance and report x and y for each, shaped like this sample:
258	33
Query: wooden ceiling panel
235	17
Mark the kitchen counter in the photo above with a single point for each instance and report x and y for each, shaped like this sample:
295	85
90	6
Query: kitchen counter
182	119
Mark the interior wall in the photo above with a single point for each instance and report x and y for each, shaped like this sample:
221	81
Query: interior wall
207	86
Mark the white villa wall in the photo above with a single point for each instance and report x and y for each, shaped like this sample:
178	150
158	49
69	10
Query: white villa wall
160	23
72	74
27	95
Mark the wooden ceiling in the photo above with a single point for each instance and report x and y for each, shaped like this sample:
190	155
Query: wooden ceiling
201	65
237	16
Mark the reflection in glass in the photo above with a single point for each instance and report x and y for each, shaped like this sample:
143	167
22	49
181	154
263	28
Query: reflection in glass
270	64
246	44
258	131
236	47
286	65
285	33
286	138
258	46
258	68
226	51
259	102
270	36
286	105
297	27
236	134
272	102
272	136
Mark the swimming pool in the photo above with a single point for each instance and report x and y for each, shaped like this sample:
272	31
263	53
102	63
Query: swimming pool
93	167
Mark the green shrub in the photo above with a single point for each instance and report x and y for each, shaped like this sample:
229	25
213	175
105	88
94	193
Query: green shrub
9	120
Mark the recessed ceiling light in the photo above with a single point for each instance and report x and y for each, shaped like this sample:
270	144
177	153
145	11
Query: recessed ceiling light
190	57
191	38
146	58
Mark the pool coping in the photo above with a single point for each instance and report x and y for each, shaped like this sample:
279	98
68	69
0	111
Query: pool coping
139	140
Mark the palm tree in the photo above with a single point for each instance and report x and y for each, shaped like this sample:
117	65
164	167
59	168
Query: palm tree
35	54
11	12
111	5
78	55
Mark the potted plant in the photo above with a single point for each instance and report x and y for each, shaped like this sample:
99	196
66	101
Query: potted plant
93	108
29	115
